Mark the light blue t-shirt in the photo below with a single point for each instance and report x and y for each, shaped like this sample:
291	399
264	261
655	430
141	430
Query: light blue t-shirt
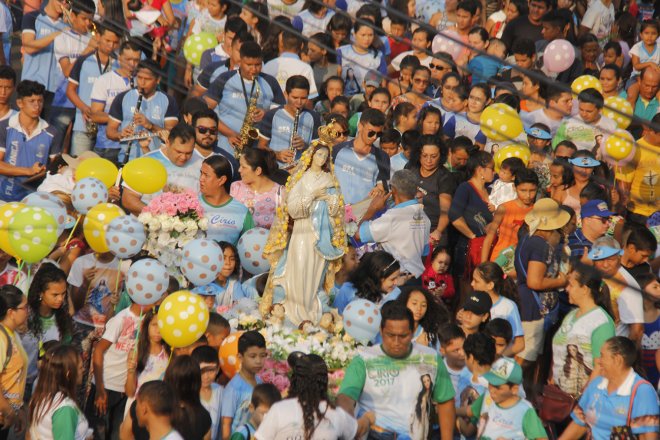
397	162
358	175
236	400
507	309
227	222
355	66
460	125
42	66
224	296
7	28
277	124
84	73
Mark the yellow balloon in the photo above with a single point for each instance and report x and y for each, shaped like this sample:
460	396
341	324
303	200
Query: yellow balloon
619	145
102	169
182	318
96	222
7	211
500	123
145	175
585	82
620	110
513	150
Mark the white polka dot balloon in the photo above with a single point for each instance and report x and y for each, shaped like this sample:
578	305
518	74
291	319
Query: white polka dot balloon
619	148
620	110
32	233
520	151
50	203
250	250
362	320
196	44
585	82
147	281
558	56
88	193
182	318
447	41
499	122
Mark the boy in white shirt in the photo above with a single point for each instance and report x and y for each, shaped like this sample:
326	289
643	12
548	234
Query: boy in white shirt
155	409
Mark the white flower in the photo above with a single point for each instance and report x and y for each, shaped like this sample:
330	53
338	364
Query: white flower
166	225
203	223
179	226
191	225
153	224
145	217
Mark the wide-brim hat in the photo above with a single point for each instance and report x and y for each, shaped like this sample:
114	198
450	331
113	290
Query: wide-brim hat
546	215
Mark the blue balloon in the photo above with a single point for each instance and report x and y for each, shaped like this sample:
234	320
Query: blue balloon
201	261
88	193
250	251
53	205
146	282
125	236
362	320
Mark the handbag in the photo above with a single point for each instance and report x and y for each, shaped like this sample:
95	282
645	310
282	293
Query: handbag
554	405
625	432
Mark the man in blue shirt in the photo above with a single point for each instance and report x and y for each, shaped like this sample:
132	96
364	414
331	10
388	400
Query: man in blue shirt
231	93
84	73
39	64
7	86
213	70
144	110
361	168
26	142
205	122
276	127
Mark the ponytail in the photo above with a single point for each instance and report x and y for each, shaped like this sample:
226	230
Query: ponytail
503	285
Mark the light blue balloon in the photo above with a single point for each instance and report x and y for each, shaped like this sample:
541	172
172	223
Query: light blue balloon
125	236
201	261
52	204
147	281
250	251
362	320
88	193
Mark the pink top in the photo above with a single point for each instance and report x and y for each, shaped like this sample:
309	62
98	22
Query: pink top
262	206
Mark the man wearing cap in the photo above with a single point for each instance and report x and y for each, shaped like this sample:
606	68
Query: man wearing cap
500	412
625	293
595	222
386	381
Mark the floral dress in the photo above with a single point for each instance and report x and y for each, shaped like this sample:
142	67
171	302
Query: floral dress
262	206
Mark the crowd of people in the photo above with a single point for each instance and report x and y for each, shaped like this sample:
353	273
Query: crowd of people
519	294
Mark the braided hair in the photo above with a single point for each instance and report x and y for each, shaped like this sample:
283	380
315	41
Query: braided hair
309	384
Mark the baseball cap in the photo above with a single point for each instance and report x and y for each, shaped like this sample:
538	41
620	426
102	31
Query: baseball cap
207	290
504	370
372	79
584	162
604	247
478	303
538	133
595	208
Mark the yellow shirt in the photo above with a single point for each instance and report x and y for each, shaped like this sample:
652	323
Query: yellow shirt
12	378
643	173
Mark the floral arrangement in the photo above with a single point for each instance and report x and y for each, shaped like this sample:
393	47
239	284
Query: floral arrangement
350	220
171	220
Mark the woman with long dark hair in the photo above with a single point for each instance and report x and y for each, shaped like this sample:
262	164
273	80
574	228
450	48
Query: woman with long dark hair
375	277
428	314
54	413
49	315
13	359
308	413
184	375
419	425
358	58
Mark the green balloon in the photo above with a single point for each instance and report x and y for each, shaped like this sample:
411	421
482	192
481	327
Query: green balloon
32	233
195	46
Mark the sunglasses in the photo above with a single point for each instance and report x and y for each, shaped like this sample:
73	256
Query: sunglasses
438	67
204	130
342	133
372	133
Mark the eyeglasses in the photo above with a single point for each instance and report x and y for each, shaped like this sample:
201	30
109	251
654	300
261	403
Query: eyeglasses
438	67
204	130
372	133
603	220
420	80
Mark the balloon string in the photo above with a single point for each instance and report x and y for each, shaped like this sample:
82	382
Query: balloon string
29	267
20	262
137	333
117	284
66	243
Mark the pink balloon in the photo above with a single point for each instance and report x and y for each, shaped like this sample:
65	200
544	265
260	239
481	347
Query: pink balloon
558	56
444	42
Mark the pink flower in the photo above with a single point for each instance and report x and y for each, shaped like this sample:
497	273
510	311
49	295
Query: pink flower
267	376
282	383
282	367
348	214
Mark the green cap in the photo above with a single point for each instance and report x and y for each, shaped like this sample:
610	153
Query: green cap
504	370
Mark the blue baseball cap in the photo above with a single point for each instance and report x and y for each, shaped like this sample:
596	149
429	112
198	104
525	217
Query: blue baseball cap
595	208
584	162
604	247
538	133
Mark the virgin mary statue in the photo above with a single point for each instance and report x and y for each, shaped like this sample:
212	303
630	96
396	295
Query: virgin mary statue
307	239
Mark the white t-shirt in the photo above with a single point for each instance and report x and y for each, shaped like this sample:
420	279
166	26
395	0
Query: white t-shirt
284	421
639	50
626	300
70	45
173	435
107	86
599	19
396	62
287	65
539	117
120	330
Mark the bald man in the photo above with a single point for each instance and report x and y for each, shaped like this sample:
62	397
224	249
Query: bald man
646	105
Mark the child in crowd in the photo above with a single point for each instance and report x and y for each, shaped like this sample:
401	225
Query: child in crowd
156	404
437	278
403	83
264	396
452	339
475	312
645	53
427	314
403	117
340	104
430	121
379	99
613	54
217	330
561	178
500	330
226	288
479	350
504	189
211	393
408	139
236	396
332	87
390	142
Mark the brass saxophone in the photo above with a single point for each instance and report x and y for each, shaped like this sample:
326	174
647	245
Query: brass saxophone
248	133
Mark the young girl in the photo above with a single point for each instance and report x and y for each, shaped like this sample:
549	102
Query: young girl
531	86
475	313
255	15
436	277
375	277
403	82
339	27
427	313
468	123
359	58
149	360
332	88
403	117
490	278
380	100
226	286
504	189
645	53
561	178
430	121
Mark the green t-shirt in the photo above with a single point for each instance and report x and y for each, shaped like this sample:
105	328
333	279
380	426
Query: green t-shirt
392	388
520	421
65	423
